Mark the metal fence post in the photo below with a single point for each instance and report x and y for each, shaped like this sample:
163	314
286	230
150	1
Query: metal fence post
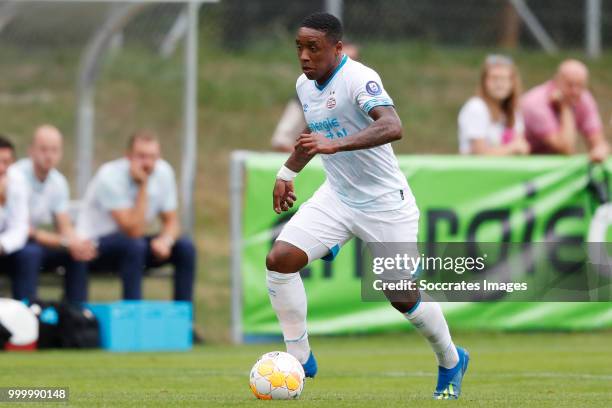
592	28
534	26
335	7
236	180
190	126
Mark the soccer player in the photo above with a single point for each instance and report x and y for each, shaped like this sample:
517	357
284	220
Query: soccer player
291	124
351	121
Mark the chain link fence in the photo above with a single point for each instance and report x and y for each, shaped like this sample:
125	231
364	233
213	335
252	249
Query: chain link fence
450	22
138	83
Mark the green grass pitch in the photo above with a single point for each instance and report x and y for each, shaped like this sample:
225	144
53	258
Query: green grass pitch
506	370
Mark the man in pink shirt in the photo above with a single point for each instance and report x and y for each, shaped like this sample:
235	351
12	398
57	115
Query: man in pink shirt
557	110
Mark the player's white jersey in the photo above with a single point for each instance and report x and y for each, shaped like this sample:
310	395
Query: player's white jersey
367	179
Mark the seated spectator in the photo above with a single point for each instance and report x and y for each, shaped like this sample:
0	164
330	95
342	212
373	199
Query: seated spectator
557	110
14	223
121	201
489	122
52	240
292	123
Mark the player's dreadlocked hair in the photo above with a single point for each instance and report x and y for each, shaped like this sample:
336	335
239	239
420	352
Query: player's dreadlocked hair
329	24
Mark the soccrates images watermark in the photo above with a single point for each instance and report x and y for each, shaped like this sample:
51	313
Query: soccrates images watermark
460	272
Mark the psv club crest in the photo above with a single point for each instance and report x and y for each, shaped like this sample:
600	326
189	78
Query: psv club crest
331	102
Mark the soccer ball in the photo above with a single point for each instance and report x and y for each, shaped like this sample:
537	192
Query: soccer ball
277	375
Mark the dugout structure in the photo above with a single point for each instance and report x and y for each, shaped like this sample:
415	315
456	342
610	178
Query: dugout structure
57	58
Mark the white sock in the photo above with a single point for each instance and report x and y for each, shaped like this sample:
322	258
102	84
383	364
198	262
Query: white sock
429	320
288	299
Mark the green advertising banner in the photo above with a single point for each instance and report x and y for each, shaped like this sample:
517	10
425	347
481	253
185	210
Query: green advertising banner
461	198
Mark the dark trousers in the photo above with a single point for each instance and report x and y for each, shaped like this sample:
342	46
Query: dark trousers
131	256
24	266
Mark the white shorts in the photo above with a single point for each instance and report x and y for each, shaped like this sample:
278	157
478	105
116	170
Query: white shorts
324	223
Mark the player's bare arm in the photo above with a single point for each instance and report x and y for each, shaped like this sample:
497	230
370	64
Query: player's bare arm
386	128
283	195
299	157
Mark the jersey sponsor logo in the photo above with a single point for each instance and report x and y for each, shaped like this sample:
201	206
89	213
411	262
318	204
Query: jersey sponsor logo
373	88
327	124
330	127
331	102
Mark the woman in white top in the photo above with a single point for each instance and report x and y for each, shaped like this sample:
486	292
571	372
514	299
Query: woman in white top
490	122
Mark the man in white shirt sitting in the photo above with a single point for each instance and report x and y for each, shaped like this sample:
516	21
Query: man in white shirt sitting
13	223
53	242
122	200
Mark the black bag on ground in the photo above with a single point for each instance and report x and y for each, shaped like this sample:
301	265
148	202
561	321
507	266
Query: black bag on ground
64	325
5	335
